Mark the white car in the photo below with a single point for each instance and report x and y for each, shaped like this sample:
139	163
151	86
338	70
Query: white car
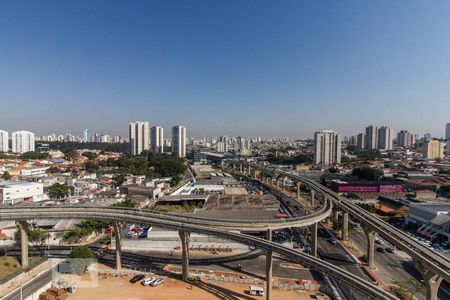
157	281
148	281
379	241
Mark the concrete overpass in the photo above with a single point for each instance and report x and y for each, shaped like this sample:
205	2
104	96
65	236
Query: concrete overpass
184	227
433	266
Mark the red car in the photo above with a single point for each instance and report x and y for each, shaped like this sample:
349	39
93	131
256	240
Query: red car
281	216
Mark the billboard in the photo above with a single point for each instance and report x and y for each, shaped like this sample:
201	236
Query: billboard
358	188
391	188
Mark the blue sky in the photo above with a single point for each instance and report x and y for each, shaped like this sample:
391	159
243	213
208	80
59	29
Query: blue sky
251	68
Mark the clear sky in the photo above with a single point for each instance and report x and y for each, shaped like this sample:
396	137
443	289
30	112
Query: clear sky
251	68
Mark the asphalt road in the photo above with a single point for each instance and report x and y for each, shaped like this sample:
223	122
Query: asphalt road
30	287
393	266
253	263
336	255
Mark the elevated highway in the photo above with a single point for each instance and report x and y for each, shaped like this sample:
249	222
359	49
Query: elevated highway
433	266
20	215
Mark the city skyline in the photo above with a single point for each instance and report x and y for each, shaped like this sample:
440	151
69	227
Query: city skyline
237	65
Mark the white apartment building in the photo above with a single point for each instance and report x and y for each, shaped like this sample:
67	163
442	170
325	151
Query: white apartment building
157	139
385	138
35	171
327	147
179	141
22	141
86	136
139	137
18	191
371	140
243	146
4	141
433	149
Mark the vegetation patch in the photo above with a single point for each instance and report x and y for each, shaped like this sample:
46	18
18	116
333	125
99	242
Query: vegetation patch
184	208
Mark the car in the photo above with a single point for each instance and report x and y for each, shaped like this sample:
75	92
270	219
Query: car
148	281
381	250
137	278
379	241
391	249
157	281
332	241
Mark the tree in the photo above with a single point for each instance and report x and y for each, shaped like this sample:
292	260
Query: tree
91	167
80	259
368	173
72	155
58	190
345	159
120	179
35	155
6	176
90	155
37	235
412	286
333	170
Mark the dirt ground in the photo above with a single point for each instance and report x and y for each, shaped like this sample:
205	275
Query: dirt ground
119	288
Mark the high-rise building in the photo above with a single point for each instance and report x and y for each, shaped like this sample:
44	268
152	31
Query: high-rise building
222	144
447	131
433	149
179	141
412	140
4	141
22	141
139	137
243	146
327	147
404	139
157	139
385	138
86	136
360	141
371	141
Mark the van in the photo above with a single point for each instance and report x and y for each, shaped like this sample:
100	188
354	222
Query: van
256	291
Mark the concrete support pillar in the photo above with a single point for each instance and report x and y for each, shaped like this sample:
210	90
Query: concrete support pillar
313	197
23	232
269	267
336	215
370	248
249	171
345	227
118	245
184	236
240	168
314	239
269	274
299	185
269	234
432	281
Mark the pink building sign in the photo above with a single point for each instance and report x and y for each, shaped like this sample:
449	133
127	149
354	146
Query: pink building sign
396	188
